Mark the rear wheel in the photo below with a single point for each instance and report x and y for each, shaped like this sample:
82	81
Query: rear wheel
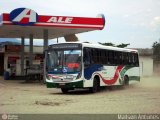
96	86
126	80
64	90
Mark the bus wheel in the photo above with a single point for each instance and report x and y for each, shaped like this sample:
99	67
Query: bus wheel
126	80
64	90
96	86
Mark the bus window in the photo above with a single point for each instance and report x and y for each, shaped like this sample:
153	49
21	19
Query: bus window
87	57
110	57
106	57
130	59
93	57
97	54
103	57
116	59
120	58
125	58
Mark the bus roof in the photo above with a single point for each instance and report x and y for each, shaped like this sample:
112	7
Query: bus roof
91	45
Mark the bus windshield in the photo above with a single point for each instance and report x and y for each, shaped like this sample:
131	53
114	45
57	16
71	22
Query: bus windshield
63	61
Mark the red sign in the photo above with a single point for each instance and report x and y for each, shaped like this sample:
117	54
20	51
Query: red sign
12	59
62	21
13	48
73	65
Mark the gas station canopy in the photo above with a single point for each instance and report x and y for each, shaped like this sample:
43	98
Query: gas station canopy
26	23
22	22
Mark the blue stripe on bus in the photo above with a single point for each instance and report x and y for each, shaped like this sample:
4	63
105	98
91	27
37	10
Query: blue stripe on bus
91	69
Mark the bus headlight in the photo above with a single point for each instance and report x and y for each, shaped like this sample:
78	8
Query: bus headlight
48	77
79	75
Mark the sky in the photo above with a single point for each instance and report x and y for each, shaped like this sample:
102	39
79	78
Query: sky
136	22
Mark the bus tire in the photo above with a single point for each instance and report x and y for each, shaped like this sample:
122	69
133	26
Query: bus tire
64	90
126	80
96	86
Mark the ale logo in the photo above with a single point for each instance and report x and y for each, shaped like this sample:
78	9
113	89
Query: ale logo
23	16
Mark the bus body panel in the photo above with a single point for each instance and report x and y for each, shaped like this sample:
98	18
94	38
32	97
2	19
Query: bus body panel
108	76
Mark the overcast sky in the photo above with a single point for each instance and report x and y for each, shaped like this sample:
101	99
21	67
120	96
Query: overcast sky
127	21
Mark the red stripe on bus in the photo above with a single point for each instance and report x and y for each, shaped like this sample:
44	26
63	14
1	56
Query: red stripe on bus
115	78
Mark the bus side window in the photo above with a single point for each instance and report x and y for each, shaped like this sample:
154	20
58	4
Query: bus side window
97	56
87	57
133	59
129	58
111	57
120	58
93	58
103	58
116	59
106	57
125	59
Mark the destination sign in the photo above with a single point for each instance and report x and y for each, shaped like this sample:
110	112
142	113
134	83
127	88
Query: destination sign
66	46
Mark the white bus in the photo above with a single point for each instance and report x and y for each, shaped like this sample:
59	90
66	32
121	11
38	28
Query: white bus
85	65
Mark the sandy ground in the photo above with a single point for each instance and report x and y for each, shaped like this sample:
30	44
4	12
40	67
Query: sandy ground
19	97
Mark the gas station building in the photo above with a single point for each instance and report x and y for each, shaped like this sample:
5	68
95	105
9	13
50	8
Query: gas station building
10	58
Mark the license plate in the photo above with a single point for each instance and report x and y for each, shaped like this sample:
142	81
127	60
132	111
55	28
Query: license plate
69	77
61	84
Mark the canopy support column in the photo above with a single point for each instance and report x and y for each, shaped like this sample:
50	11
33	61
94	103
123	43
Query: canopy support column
22	56
45	37
31	49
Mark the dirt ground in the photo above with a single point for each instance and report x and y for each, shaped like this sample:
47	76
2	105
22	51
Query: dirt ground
19	97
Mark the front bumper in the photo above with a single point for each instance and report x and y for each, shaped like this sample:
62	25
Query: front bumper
76	84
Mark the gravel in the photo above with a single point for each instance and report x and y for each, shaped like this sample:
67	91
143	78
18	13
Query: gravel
34	98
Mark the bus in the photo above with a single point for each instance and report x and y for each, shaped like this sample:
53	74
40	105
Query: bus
84	65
